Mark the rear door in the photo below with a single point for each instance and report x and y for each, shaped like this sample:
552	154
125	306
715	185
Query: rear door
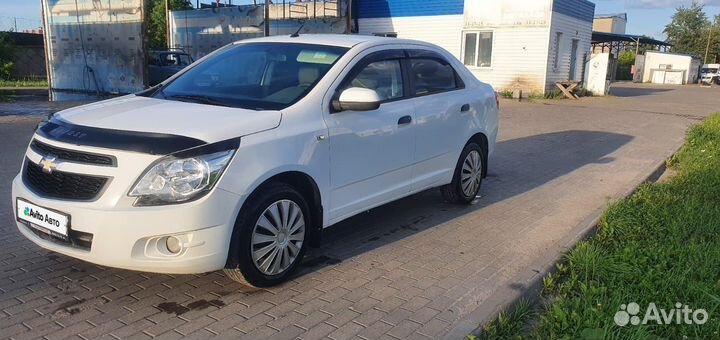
442	110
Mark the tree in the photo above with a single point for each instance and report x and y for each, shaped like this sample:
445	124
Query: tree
155	9
7	55
714	50
625	62
688	30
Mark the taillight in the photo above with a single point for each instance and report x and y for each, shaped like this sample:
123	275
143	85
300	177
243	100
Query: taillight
497	100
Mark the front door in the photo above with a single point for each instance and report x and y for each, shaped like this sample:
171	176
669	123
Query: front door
573	59
371	151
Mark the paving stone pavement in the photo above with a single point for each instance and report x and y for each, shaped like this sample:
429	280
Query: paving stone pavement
415	269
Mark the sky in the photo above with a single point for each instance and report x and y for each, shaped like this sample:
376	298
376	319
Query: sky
647	17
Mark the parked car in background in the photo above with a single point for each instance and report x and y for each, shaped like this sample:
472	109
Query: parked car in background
226	166
163	64
709	74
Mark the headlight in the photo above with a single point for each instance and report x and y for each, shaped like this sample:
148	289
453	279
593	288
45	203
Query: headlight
181	178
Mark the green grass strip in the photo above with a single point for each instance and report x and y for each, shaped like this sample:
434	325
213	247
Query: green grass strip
661	246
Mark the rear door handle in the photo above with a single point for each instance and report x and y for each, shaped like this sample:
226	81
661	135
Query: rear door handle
404	120
465	108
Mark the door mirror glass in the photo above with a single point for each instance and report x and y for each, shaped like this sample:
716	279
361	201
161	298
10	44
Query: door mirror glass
358	99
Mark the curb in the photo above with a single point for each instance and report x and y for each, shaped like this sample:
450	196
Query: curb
28	91
507	297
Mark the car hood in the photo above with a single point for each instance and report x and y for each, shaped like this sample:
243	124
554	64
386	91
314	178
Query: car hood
141	114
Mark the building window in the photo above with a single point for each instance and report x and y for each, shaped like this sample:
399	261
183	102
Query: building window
556	48
477	49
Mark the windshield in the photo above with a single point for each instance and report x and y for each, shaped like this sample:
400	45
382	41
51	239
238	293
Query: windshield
709	70
257	76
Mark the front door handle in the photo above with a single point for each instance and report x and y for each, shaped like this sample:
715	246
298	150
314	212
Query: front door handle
404	120
465	108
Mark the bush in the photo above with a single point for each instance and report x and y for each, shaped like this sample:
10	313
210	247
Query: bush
625	62
7	54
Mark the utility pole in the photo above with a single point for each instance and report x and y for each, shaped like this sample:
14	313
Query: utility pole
15	19
707	49
167	23
267	18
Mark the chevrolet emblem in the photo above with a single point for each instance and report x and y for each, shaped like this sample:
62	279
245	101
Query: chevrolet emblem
48	163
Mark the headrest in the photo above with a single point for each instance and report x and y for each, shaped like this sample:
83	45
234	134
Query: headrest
308	75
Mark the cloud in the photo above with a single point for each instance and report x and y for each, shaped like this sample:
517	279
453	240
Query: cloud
653	4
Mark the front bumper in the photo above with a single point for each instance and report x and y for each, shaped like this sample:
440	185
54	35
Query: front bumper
131	237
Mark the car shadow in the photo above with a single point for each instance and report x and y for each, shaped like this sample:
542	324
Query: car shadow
518	166
635	91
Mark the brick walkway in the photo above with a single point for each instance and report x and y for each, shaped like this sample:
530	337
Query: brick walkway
415	269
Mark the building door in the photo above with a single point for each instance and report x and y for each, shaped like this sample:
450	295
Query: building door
573	59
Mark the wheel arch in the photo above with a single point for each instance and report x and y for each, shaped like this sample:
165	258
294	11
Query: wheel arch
308	188
481	139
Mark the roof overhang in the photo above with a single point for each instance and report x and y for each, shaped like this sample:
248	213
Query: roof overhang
604	37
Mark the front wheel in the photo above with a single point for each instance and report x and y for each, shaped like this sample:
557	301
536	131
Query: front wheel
468	176
269	238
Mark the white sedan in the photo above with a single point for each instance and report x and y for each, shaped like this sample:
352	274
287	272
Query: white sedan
240	161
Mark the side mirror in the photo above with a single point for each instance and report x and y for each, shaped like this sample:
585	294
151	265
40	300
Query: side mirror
357	99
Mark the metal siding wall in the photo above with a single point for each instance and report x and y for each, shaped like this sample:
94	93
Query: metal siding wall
520	41
579	9
94	47
519	59
408	8
571	28
200	32
444	31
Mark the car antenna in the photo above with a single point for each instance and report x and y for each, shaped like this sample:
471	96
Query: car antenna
297	33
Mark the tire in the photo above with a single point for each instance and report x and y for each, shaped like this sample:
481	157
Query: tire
470	163
253	235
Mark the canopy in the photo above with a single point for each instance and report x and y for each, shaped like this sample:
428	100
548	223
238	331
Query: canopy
616	42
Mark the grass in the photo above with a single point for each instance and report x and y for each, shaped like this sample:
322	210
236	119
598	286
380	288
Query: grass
550	94
661	246
28	82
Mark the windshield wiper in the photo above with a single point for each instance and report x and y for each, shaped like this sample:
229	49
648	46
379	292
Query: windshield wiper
197	99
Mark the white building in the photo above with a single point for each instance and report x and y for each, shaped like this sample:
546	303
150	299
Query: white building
670	68
526	44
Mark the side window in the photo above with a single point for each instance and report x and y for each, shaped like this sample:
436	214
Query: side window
385	77
432	76
154	60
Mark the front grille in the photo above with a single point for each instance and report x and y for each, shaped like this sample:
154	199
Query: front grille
71	155
62	185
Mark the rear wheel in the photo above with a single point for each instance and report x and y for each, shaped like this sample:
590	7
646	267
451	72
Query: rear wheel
270	236
467	179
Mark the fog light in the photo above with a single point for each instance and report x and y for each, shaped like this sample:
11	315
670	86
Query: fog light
173	244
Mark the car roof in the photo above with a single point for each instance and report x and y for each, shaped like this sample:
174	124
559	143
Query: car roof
168	52
340	40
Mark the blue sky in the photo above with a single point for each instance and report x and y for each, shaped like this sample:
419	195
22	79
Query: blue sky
649	17
644	16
